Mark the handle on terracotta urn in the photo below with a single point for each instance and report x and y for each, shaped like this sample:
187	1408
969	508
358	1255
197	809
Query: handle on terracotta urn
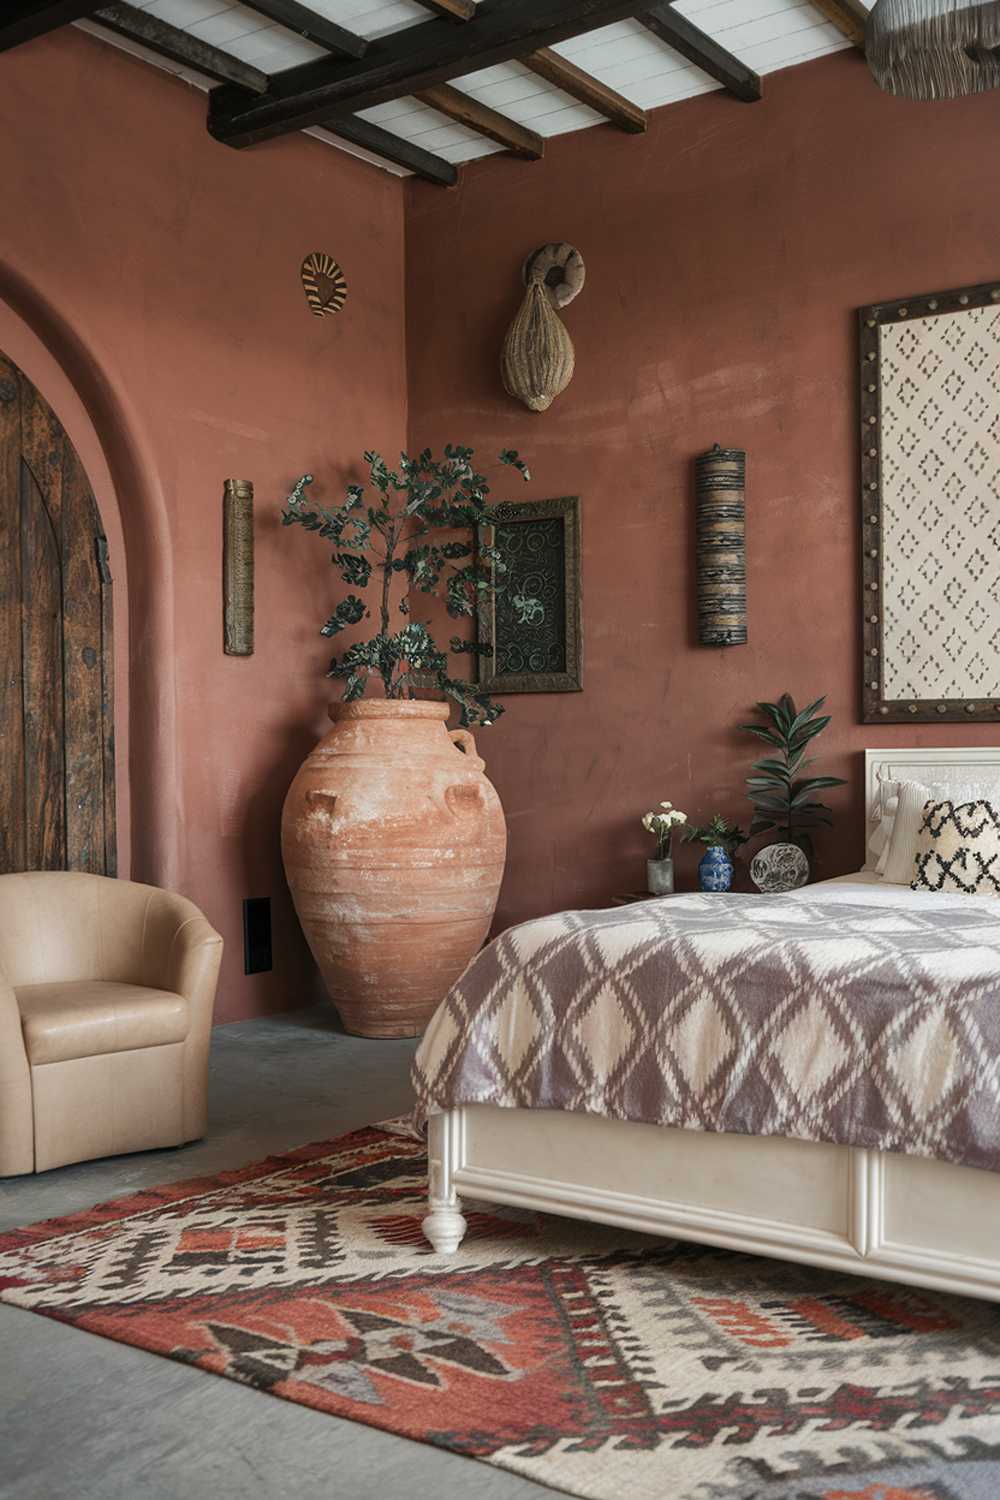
463	739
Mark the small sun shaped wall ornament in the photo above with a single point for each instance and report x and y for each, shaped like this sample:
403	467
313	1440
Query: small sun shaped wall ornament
324	284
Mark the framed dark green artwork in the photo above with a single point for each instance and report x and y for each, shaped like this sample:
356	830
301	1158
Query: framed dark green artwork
533	621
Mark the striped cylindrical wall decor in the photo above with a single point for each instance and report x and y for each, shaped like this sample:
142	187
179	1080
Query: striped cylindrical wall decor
722	551
237	567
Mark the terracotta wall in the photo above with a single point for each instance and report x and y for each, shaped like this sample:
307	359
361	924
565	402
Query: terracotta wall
150	283
158	271
726	252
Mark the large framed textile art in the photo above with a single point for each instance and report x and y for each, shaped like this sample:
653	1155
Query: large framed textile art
930	490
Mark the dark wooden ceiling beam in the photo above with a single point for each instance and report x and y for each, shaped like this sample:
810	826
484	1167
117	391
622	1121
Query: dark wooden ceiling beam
405	62
311	25
467	111
699	48
849	16
23	20
451	10
395	149
180	46
586	89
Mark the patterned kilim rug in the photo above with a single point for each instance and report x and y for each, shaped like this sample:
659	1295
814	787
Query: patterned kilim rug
601	1363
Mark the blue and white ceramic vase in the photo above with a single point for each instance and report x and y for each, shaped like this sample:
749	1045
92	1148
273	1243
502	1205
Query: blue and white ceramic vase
715	870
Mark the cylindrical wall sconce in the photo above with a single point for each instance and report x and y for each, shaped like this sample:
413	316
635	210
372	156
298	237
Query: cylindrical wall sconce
722	549
237	567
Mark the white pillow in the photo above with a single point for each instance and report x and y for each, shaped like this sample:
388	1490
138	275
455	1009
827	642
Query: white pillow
878	844
896	862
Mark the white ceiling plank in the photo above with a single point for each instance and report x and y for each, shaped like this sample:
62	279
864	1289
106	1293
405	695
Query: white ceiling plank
733	13
602	40
272	48
498	73
630	76
371	20
185	13
783	52
521	90
771	32
471	151
400	115
224	29
534	112
686	83
565	117
442	134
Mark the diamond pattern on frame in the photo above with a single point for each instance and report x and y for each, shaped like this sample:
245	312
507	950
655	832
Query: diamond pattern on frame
940	483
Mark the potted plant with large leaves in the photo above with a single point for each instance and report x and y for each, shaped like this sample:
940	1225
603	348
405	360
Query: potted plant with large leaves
393	839
783	797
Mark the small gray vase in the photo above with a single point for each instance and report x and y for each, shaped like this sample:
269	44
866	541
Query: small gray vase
660	877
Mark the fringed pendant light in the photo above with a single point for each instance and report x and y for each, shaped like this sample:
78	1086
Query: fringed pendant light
934	49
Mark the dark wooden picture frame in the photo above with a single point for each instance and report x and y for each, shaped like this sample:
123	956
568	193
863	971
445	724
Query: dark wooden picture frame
880	524
492	620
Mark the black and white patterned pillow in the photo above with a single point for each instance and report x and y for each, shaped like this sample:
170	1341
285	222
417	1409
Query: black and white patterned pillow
958	849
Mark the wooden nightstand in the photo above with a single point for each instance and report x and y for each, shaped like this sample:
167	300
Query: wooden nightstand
631	896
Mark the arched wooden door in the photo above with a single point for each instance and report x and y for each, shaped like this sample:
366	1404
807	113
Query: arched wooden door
57	781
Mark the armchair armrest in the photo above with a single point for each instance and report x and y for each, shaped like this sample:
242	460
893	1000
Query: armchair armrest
192	967
159	938
193	962
17	1133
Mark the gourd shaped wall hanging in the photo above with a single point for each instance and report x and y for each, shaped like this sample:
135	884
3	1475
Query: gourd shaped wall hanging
538	360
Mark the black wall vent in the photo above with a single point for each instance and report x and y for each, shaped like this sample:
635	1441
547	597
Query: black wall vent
257	935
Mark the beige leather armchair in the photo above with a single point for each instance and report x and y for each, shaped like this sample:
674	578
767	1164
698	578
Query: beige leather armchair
106	997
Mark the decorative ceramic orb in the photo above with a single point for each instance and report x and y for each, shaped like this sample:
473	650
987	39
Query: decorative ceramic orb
779	867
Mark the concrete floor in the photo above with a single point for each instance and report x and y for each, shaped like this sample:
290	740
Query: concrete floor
86	1418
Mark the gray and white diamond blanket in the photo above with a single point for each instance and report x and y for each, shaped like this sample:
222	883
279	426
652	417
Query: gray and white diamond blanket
863	1025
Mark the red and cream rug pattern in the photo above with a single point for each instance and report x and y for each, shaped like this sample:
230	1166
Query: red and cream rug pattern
597	1362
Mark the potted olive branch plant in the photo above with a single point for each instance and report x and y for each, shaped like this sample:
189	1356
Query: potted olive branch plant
392	537
783	799
394	843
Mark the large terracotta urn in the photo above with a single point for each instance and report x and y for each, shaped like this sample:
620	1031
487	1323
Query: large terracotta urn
394	844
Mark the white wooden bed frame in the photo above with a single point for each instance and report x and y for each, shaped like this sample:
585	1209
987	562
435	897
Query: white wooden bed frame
902	1218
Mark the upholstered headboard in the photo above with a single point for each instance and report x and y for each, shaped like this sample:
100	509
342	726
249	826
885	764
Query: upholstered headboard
940	766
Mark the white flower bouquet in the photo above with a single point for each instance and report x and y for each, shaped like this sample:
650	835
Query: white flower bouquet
662	825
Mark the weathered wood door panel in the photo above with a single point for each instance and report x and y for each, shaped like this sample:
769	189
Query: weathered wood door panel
57	785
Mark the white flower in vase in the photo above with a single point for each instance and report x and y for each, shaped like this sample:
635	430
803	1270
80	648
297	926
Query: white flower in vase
661	825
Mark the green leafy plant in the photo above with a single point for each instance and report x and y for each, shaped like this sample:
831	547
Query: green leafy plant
783	799
392	529
717	833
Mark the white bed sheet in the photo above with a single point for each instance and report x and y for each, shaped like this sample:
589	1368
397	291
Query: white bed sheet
868	889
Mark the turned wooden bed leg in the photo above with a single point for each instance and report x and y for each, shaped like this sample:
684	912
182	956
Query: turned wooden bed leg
444	1225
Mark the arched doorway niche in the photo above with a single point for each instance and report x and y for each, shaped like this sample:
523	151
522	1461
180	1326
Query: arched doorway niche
109	439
